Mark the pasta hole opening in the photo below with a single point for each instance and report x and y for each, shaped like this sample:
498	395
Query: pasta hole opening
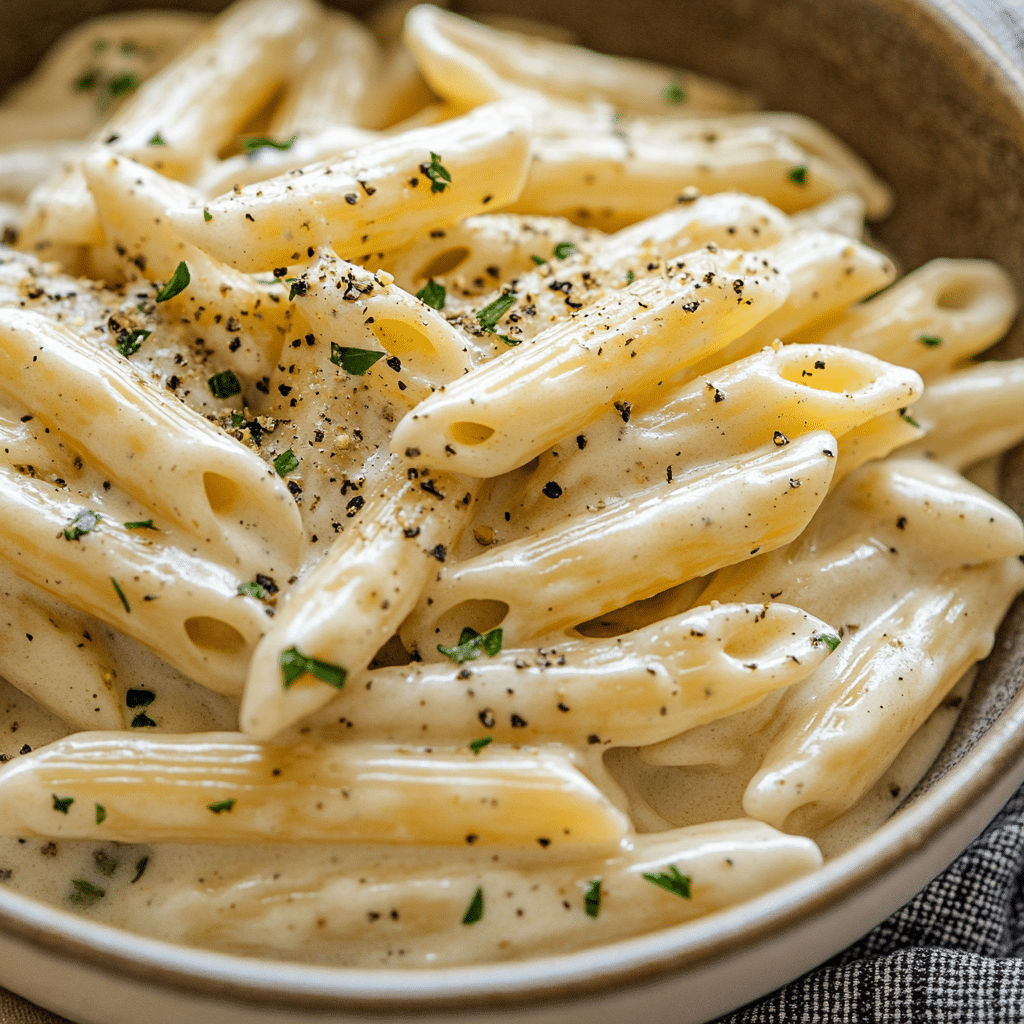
402	339
838	375
214	636
444	263
479	614
221	492
957	295
470	434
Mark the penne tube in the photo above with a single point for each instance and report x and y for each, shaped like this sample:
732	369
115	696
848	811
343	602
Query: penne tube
131	200
608	182
827	274
419	901
184	607
223	787
500	415
875	439
775	396
934	318
353	601
208	484
636	547
836	740
970	415
378	200
198	103
58	657
399	93
24	167
60	211
674	675
336	81
470	64
842	215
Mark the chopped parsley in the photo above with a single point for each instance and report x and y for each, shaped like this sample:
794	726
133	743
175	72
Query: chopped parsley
674	93
354	361
85	894
592	898
294	663
139	698
252	589
105	863
477	745
798	174
221	806
564	250
439	177
86	81
85	522
120	594
224	384
630	277
207	216
471	643
475	910
930	340
101	814
285	463
539	260
672	881
140	868
433	294
143	721
140	524
253	143
62	803
157	140
489	316
909	419
131	341
176	285
829	640
124	84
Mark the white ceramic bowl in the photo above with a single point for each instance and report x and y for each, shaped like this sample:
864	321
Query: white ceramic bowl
920	90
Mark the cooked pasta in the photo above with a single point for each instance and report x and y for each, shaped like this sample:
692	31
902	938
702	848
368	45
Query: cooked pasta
423	453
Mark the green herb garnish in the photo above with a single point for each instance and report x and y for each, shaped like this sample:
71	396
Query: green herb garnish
221	806
131	341
224	384
909	419
592	898
140	868
252	589
86	81
253	143
930	340
178	283
355	361
798	175
124	84
829	640
120	594
101	814
439	177
140	524
489	316
539	260
139	698
85	522
471	643
105	864
564	249
157	140
207	216
85	894
477	745
475	910
143	721
285	463
630	277
294	663
433	294
672	881
674	93
62	803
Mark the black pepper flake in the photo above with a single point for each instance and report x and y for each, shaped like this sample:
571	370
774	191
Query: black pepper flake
581	441
794	482
517	722
439	552
352	198
412	453
691	307
819	364
486	718
354	505
563	707
430	488
395	363
593	738
249	216
901	523
552	490
284	389
780	439
544	842
624	409
263	385
413	532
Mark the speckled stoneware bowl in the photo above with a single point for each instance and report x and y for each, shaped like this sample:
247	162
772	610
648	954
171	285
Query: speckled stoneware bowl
932	102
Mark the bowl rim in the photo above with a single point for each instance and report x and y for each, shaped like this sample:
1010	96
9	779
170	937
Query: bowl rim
995	761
